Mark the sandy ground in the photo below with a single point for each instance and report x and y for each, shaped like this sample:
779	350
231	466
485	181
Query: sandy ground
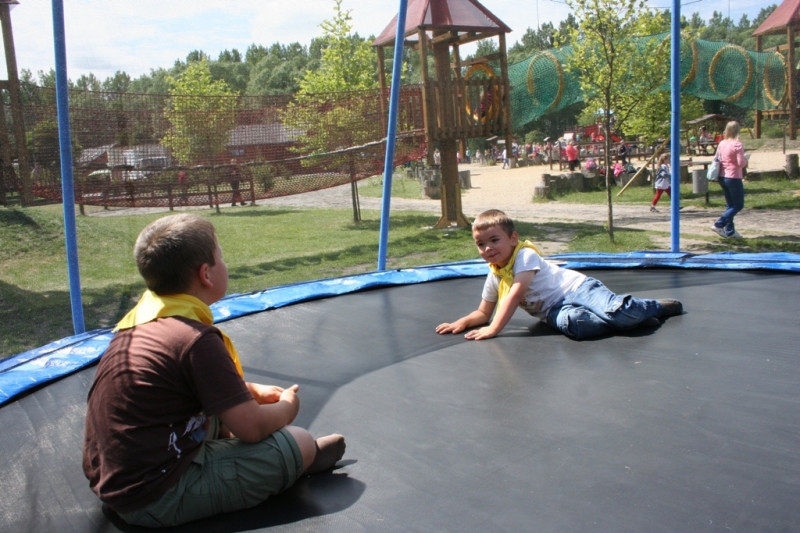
512	190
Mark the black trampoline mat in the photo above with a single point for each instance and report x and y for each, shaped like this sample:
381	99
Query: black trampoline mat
694	426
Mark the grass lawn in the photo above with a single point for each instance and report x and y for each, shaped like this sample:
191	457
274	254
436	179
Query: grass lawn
266	247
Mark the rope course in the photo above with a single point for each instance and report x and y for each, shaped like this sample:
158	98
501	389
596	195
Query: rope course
710	70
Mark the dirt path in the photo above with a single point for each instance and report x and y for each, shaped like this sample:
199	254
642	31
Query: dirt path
512	189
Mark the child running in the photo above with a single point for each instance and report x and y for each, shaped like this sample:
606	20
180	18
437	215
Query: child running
663	181
579	306
173	433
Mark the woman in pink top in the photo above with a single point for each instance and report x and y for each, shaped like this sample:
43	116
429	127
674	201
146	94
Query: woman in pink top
572	156
730	153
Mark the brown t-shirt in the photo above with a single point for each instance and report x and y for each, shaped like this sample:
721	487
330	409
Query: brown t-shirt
154	388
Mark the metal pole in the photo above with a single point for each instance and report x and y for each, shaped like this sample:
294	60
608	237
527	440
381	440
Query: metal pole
391	134
67	187
675	143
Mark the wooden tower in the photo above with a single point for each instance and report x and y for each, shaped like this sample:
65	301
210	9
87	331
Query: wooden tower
456	107
785	19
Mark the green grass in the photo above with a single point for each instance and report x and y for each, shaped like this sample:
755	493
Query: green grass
266	247
263	248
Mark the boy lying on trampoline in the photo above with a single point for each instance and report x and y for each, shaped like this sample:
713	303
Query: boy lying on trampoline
173	433
579	306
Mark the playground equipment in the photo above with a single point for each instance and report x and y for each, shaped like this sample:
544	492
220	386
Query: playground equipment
709	70
455	108
783	19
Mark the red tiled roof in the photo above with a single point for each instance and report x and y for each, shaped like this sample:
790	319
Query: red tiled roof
455	15
786	14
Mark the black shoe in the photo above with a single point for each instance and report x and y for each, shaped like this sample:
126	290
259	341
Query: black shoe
244	203
651	322
670	308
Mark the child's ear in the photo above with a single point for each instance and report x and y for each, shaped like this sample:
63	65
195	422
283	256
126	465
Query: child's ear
514	238
204	276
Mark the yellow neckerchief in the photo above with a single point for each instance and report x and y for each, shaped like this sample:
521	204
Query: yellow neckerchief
152	306
506	274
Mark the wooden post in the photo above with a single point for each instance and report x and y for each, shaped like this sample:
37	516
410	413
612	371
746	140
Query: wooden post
451	188
792	81
759	114
7	172
427	109
506	95
26	197
382	81
461	119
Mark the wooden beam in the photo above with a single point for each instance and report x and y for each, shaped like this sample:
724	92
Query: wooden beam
445	37
484	59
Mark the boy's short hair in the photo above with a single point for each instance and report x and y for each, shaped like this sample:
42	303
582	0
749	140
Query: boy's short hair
169	251
494	217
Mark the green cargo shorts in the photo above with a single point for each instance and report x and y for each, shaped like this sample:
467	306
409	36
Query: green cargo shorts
227	475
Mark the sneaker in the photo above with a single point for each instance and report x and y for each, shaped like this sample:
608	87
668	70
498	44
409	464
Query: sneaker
735	235
719	231
670	308
653	209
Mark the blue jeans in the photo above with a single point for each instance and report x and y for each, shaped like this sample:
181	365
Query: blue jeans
733	189
592	310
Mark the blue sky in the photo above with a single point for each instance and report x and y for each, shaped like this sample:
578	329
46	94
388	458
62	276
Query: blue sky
104	36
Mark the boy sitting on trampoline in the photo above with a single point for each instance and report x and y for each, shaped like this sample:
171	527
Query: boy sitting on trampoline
173	432
578	306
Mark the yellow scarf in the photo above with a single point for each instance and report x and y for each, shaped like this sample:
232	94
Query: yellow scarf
506	274
152	306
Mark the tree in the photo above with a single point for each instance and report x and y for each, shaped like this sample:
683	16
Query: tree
347	63
326	110
616	69
201	112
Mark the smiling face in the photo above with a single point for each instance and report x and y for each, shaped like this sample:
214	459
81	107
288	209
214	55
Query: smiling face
495	245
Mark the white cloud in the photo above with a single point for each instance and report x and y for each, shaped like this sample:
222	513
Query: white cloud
104	36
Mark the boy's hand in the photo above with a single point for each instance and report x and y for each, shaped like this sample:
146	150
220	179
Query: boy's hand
481	334
265	393
455	327
290	396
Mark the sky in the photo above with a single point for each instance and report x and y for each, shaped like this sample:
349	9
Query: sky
105	36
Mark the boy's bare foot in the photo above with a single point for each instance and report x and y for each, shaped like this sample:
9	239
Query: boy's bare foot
329	450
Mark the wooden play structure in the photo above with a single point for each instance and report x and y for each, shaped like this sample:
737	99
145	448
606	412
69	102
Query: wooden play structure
785	19
456	106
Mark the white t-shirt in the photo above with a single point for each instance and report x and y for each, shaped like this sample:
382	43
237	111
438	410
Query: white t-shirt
549	285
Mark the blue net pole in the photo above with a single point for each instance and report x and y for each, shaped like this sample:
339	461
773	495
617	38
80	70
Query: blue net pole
67	182
391	135
675	133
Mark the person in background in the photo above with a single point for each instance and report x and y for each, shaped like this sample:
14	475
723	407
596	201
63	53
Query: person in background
572	156
731	178
663	181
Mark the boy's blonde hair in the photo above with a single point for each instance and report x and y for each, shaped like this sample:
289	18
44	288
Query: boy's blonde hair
494	217
169	251
665	157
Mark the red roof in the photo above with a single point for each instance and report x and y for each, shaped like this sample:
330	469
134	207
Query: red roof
454	15
786	14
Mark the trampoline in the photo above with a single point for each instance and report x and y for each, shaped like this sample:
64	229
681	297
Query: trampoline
693	426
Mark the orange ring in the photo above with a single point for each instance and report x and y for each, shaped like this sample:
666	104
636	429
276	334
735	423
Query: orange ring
490	109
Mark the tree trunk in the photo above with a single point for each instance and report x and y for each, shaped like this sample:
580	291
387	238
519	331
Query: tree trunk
609	172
